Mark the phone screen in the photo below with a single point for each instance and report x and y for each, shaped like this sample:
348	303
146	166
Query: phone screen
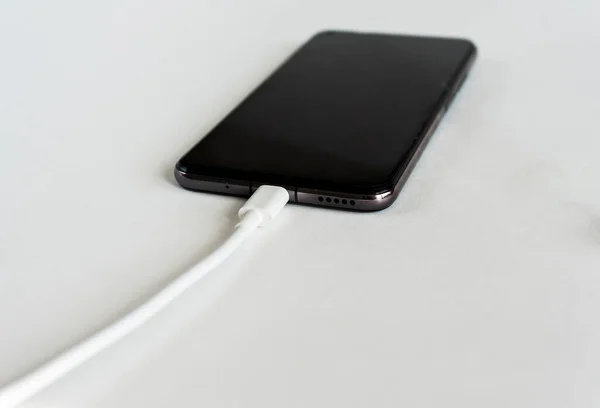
343	113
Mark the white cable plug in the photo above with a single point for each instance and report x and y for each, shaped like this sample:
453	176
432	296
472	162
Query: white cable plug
268	201
262	207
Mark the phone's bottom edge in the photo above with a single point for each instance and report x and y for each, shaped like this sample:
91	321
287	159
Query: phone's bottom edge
318	198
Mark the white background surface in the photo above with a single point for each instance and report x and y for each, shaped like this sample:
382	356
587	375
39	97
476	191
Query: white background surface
478	288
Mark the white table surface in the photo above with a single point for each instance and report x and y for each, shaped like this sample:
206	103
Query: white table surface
478	288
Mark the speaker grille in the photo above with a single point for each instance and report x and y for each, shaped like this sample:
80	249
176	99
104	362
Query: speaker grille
336	201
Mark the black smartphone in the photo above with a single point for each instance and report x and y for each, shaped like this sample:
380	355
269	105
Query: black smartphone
340	124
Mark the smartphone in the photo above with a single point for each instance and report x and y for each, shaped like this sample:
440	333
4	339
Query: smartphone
340	124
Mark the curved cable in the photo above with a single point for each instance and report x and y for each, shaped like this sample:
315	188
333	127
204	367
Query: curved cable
264	205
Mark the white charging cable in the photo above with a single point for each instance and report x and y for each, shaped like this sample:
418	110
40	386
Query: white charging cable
262	207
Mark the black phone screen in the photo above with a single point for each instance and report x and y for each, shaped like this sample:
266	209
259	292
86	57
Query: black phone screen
343	113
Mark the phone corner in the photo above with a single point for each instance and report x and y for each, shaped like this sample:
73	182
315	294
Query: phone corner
380	201
326	33
384	203
471	47
179	172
